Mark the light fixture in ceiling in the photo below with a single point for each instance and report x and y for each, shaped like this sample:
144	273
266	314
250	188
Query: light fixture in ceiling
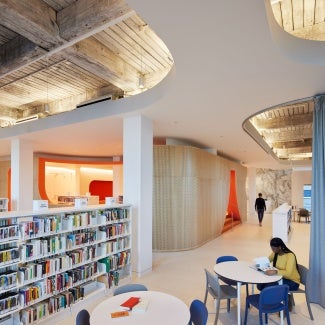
141	81
27	119
141	78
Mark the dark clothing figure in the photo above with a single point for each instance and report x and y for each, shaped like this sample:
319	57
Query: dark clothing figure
260	207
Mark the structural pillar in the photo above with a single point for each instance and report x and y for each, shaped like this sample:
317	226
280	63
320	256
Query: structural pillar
138	185
21	175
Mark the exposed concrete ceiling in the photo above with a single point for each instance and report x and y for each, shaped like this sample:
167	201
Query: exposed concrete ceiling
221	76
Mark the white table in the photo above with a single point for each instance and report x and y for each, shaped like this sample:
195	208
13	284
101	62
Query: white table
242	272
162	309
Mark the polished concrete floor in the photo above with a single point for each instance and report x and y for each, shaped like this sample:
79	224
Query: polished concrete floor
182	273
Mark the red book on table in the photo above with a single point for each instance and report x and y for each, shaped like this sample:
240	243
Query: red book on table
130	303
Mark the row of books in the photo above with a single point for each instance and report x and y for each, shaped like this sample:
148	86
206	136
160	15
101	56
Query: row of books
9	256
8	280
80	238
36	313
49	266
42	268
116	214
38	248
6	222
116	261
9	232
73	221
115	245
39	226
30	294
9	302
114	230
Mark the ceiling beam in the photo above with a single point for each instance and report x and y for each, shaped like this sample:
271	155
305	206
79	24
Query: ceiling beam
292	144
289	135
33	19
93	56
40	27
17	52
284	121
86	16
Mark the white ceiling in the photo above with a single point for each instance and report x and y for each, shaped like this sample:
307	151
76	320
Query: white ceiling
224	72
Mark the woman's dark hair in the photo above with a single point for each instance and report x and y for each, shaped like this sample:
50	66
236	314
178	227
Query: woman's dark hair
278	242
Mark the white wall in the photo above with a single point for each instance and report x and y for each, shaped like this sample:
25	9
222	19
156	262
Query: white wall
299	179
73	181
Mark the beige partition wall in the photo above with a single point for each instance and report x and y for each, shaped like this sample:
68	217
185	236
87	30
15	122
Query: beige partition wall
190	197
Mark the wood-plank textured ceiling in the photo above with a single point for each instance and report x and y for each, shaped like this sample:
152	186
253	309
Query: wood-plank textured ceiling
58	54
286	131
301	18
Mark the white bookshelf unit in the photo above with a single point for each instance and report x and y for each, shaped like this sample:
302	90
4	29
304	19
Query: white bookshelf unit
54	259
3	204
281	221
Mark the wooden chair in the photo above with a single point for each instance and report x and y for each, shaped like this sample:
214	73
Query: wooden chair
218	292
304	281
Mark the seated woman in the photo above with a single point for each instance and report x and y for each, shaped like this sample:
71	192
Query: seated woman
286	263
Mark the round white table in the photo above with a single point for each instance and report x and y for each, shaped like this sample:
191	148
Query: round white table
162	309
243	272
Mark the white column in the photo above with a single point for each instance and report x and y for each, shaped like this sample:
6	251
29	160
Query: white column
251	195
21	175
117	177
138	173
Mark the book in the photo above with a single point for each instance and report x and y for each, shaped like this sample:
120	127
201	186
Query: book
130	303
263	264
142	306
118	314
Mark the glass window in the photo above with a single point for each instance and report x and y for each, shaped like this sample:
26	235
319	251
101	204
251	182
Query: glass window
307	197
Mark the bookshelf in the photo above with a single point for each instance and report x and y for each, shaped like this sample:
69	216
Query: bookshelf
281	222
3	204
51	260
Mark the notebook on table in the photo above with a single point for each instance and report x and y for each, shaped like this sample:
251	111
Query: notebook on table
263	264
130	303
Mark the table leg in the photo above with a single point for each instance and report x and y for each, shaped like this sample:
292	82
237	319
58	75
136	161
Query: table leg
281	312
238	303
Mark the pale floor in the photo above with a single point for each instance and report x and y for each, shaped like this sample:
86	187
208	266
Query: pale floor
182	273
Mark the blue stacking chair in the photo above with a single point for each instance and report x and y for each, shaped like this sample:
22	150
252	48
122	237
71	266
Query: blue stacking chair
271	300
129	288
199	313
229	258
83	317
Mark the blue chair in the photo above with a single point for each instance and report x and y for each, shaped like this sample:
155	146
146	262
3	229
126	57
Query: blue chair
271	300
199	313
129	288
228	258
83	317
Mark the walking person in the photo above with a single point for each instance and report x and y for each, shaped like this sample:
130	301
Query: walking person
260	207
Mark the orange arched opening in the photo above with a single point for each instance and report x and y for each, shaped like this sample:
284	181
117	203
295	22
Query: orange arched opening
232	216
